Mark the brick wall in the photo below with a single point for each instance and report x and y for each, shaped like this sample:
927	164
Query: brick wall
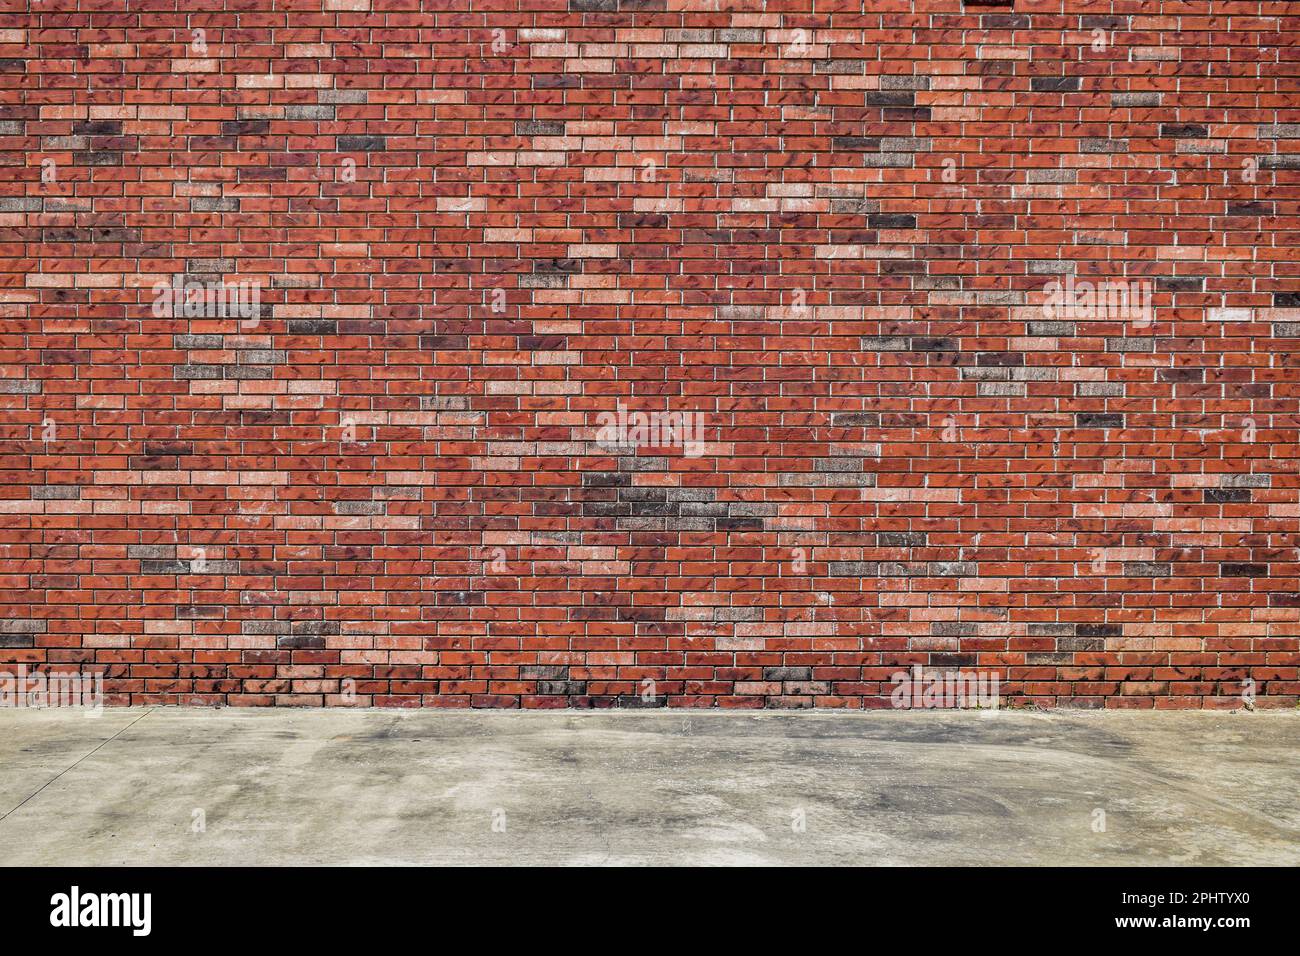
608	353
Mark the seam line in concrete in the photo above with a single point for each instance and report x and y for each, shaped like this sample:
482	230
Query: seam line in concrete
74	764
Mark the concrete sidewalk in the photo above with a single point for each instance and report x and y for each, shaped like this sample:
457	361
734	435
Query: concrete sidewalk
183	786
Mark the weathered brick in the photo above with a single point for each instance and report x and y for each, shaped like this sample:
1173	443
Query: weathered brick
450	452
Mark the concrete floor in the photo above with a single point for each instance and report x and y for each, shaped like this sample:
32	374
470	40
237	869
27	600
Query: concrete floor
190	786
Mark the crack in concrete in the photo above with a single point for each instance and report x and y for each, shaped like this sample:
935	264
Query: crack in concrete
72	766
